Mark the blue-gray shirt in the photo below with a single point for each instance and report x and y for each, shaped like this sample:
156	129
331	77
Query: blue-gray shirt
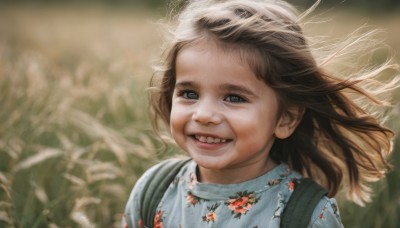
259	202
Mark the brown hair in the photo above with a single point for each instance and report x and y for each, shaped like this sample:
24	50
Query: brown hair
336	137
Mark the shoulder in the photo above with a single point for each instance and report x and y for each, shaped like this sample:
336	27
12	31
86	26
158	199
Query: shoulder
133	205
326	214
154	174
145	178
326	211
159	172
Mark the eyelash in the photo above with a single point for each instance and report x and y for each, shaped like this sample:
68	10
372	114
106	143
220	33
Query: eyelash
228	98
184	94
239	98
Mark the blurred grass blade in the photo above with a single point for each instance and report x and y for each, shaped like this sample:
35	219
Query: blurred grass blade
41	156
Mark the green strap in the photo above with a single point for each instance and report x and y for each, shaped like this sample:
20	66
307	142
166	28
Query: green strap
156	186
301	204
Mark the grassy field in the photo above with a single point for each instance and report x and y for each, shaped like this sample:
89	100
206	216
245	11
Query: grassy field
74	129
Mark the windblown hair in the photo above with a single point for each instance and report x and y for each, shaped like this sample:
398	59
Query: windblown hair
337	141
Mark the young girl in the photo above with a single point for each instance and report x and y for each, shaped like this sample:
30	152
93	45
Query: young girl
243	95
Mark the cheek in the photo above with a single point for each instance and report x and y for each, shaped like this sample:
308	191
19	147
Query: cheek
255	138
254	127
177	120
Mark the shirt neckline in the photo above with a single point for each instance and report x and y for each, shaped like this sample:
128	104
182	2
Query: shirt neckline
227	191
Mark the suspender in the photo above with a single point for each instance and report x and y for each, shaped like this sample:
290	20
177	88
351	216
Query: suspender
301	204
156	186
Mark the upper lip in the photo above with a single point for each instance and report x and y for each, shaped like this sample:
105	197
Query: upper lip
206	135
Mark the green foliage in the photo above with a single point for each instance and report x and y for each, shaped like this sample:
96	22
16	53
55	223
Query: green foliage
385	208
73	122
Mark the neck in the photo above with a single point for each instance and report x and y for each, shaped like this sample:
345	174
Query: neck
234	175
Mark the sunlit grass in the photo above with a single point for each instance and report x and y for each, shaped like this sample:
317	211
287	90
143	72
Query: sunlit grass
74	129
73	118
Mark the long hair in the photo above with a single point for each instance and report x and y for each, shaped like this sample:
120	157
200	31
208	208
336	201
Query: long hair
337	140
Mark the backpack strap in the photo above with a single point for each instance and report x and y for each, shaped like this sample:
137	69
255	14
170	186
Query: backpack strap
156	186
301	204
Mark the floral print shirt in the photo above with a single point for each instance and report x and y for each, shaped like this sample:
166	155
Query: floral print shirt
255	203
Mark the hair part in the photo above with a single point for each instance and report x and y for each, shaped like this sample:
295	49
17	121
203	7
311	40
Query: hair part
336	140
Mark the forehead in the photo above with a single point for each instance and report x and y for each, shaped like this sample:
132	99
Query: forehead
211	56
243	54
206	65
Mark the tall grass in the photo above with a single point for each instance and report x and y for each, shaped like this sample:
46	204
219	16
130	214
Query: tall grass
74	129
74	134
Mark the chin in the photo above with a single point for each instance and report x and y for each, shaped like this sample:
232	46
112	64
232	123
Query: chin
208	162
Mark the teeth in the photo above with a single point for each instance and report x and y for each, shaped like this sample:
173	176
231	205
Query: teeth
209	140
202	139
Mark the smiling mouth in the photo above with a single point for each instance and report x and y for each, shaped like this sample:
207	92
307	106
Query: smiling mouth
209	140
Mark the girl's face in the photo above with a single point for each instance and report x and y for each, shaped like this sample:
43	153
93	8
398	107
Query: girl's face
222	115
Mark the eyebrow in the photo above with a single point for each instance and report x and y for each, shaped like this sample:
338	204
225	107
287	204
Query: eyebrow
185	84
226	87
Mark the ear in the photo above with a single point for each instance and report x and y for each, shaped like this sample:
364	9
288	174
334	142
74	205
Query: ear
288	122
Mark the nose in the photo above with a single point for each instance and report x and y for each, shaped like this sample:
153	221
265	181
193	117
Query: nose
207	112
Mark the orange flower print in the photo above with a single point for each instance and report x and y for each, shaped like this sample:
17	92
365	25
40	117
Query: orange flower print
192	181
291	185
321	215
241	203
140	223
278	180
211	216
192	199
158	219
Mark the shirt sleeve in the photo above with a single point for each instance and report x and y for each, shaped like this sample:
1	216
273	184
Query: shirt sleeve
326	214
131	218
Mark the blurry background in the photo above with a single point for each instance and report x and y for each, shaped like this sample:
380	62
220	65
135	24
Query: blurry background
74	127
